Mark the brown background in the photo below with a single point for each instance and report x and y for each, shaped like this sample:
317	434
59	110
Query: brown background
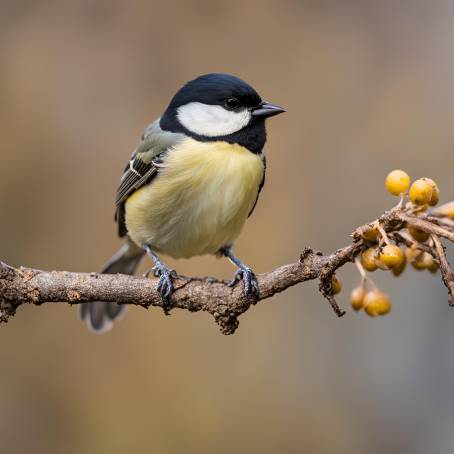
368	87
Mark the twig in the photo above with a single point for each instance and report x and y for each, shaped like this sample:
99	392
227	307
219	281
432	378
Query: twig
383	234
402	238
427	226
446	222
445	269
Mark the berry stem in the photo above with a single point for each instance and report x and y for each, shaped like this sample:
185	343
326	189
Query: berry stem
364	277
383	234
400	205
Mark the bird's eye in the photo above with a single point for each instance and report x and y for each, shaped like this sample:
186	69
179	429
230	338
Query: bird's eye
232	103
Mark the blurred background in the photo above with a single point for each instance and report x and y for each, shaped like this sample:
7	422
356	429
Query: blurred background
368	88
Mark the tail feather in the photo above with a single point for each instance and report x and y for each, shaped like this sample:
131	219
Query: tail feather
99	315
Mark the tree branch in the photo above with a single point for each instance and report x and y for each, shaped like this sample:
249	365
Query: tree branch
24	285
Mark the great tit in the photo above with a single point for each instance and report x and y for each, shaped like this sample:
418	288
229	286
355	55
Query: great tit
190	184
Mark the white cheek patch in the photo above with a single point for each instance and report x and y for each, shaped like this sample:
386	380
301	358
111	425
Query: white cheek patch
211	121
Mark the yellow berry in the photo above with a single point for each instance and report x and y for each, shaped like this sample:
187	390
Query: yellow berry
418	265
433	267
397	182
420	260
392	256
370	310
398	270
368	259
380	264
429	262
418	234
336	285
376	303
423	262
357	298
413	253
421	192
435	192
371	234
383	307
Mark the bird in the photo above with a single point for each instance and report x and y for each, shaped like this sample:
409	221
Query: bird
191	183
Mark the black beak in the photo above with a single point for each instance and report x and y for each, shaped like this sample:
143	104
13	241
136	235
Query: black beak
267	109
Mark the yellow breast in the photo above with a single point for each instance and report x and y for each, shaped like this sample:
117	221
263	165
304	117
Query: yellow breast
199	201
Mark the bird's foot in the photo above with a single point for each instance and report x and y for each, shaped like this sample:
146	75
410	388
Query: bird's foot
251	286
165	283
165	275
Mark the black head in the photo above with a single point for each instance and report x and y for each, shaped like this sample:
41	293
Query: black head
220	107
216	89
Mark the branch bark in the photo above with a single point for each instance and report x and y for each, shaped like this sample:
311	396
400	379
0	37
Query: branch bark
25	285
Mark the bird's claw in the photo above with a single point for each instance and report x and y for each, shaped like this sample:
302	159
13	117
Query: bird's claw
165	283
251	286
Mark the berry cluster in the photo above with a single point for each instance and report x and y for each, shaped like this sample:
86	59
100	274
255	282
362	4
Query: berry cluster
404	244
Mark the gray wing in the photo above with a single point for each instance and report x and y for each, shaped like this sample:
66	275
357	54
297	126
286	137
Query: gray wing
263	158
142	167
